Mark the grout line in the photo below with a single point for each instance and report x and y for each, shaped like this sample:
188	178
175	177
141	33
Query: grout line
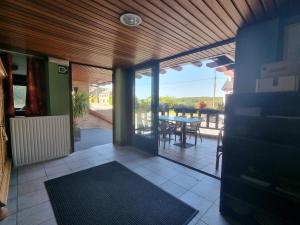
192	168
17	203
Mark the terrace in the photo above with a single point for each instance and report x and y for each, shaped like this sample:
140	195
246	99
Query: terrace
200	154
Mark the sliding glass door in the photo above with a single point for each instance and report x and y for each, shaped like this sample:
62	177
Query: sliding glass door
145	105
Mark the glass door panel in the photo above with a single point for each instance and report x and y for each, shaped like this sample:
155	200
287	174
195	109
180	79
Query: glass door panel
143	103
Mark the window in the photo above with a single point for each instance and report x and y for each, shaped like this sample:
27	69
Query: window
19	96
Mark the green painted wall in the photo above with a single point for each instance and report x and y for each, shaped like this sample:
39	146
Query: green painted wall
122	107
58	91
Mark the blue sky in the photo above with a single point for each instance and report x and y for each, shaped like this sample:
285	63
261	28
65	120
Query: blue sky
191	81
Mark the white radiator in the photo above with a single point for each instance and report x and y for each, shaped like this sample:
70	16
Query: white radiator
35	139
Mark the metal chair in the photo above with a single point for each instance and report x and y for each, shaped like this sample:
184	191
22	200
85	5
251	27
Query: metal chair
164	129
219	147
177	130
192	130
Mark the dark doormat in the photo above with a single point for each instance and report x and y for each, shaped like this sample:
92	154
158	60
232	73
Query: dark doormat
111	194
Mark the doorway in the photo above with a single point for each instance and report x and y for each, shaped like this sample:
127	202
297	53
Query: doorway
191	111
92	96
145	106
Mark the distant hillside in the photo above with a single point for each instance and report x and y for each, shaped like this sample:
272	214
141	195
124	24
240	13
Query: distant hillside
192	101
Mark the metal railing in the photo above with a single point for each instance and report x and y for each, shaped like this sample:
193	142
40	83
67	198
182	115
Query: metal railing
212	118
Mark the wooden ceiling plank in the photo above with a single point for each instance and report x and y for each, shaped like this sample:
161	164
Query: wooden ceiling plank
109	40
154	19
20	42
110	17
58	32
33	23
164	19
219	11
184	59
228	29
114	23
221	30
256	8
90	74
243	8
149	24
179	20
167	16
90	32
195	56
183	13
54	41
232	11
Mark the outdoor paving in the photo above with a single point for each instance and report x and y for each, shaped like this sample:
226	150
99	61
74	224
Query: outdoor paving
201	157
91	121
91	137
29	203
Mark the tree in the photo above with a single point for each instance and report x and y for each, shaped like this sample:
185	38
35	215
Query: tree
168	100
110	100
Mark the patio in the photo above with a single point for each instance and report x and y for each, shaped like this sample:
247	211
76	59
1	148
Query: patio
201	157
91	137
29	203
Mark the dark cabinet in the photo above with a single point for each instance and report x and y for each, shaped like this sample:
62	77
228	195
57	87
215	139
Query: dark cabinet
261	158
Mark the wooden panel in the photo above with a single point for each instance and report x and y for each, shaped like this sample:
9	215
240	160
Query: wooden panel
5	163
90	75
90	32
200	56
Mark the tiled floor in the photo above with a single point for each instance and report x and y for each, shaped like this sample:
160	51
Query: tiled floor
91	137
201	157
29	203
91	121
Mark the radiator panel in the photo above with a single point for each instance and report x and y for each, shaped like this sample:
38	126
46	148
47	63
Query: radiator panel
35	139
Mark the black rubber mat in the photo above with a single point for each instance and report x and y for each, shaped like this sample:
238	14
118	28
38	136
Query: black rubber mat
111	194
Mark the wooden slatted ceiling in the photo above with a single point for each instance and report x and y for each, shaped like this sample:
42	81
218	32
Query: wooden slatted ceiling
90	74
89	31
200	56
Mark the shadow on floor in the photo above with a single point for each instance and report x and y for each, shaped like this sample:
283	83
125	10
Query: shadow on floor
92	137
200	157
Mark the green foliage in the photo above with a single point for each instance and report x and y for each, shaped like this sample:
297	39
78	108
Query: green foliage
80	104
169	100
191	101
93	99
142	105
110	100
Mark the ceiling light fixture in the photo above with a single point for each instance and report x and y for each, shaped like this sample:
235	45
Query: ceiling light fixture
130	19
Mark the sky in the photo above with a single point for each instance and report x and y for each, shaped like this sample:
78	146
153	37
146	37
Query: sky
191	81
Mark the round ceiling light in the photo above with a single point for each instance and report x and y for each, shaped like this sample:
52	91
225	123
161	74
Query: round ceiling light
130	19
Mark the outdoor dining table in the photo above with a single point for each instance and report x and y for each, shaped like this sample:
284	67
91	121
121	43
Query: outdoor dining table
184	121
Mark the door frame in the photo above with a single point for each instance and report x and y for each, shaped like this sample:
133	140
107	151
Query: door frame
146	144
71	63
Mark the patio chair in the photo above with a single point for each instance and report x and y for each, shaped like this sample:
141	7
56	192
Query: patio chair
177	131
164	129
219	147
192	130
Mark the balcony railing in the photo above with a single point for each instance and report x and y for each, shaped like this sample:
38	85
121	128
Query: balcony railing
212	118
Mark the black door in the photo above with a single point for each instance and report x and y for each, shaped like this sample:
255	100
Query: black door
145	107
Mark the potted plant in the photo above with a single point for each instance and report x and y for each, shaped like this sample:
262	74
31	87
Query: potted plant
80	108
